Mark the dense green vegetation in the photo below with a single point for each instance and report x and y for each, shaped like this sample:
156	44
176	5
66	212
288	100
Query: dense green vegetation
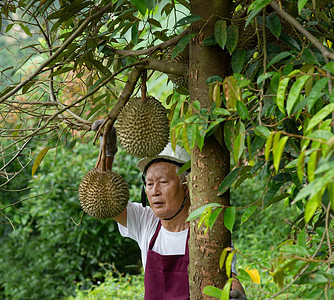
274	112
44	247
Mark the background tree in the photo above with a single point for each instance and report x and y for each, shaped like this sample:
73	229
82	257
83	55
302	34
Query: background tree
257	83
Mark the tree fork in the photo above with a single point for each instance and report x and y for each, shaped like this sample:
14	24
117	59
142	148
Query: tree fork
212	164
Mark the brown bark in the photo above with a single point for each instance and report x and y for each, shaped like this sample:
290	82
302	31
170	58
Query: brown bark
212	164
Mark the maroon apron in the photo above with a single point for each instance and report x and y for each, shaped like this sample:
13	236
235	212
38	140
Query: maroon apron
166	276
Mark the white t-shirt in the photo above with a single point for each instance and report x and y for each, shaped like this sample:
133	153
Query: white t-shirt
141	226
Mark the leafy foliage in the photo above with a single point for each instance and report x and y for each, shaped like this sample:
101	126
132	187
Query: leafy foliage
47	249
274	112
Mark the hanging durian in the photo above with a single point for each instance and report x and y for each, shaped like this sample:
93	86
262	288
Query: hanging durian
103	194
183	57
143	127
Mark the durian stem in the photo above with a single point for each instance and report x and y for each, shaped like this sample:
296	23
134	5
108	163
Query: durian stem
143	85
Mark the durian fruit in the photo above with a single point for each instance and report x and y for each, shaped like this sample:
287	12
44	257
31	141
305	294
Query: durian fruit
143	127
103	194
183	57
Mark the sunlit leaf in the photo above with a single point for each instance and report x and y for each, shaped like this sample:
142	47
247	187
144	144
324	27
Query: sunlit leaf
301	4
212	291
279	151
254	275
226	290
229	218
199	211
247	213
312	205
320	115
262	131
280	99
39	159
295	92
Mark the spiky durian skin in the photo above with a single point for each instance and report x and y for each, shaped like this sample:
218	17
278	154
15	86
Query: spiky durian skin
183	57
143	127
103	194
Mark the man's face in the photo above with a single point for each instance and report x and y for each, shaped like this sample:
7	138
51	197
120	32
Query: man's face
164	190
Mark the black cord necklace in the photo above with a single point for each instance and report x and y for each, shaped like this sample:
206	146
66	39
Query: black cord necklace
182	205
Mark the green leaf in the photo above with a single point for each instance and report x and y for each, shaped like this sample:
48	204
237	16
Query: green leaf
320	115
222	257
301	4
229	134
279	151
221	33
232	37
150	4
247	213
315	93
251	16
187	20
262	131
301	239
213	79
258	4
278	58
15	133
300	166
94	110
229	180
61	71
9	27
212	291
134	33
25	29
311	206
274	24
296	250
281	94
329	66
228	263
181	45
39	159
140	5
237	148
242	110
226	290
199	211
238	59
229	218
295	92
269	143
311	166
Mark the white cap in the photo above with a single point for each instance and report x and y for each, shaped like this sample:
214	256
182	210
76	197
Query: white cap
180	155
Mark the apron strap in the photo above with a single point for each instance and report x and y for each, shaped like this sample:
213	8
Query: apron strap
155	236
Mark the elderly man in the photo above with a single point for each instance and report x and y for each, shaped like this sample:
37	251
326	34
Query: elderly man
161	230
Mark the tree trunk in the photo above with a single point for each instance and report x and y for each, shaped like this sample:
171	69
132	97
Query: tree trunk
212	164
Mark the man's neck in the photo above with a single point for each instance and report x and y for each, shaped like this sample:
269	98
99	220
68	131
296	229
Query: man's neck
176	224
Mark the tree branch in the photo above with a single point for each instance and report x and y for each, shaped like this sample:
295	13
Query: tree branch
58	52
150	50
324	51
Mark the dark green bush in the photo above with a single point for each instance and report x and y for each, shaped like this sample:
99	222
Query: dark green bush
48	253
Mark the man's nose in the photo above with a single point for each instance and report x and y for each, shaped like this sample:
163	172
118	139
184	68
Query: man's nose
156	189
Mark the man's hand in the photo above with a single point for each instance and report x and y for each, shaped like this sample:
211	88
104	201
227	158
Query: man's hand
111	148
236	295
